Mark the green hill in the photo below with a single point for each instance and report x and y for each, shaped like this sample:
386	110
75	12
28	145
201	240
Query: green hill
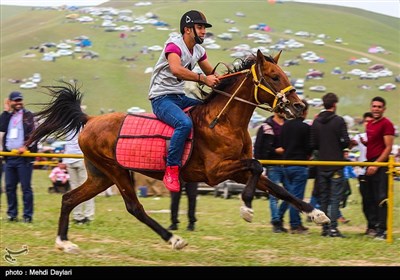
111	83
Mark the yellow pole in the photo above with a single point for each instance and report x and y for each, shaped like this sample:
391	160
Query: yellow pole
390	198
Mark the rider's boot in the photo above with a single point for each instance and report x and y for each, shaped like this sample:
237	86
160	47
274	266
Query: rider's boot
171	178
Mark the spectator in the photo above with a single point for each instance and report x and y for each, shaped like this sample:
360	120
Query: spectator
60	178
268	146
357	142
380	135
167	96
329	136
191	193
348	173
84	212
295	138
16	125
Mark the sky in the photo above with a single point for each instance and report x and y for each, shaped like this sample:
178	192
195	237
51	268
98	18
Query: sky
386	7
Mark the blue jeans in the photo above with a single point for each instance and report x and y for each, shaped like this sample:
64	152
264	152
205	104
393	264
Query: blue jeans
277	175
331	191
19	170
296	181
169	109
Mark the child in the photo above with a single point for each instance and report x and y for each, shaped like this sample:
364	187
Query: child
59	177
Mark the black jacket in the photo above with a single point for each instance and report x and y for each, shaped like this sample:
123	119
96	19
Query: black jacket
295	138
329	136
28	124
267	140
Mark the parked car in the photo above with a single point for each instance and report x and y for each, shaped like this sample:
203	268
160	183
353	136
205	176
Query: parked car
315	102
28	85
133	110
228	188
318	88
387	87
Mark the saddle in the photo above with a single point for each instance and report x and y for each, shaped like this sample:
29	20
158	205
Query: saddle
143	141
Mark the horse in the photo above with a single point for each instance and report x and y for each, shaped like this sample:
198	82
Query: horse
222	146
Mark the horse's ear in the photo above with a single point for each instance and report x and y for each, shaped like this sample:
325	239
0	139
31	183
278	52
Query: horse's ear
260	57
276	58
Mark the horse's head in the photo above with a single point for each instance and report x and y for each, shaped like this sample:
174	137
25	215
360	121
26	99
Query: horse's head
273	87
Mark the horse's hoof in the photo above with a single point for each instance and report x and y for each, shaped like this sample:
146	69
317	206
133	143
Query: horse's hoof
246	213
66	246
319	217
177	242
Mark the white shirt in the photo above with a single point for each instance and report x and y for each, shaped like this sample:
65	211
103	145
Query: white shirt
72	147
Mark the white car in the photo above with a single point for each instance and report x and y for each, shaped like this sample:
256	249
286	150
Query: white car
213	46
387	87
155	48
315	102
318	42
338	40
28	85
133	110
318	88
369	76
363	60
356	72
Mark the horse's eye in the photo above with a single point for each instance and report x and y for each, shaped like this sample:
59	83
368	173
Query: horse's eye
275	78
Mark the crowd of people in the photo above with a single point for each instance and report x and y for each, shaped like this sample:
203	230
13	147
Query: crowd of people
326	139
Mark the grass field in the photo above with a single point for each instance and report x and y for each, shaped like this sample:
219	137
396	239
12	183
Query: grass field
221	237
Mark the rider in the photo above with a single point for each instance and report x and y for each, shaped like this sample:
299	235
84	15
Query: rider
167	96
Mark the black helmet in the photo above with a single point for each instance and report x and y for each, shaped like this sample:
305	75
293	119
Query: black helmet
192	17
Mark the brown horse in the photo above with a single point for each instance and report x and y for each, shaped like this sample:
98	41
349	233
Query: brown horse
222	144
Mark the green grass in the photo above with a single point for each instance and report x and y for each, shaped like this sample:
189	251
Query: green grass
221	238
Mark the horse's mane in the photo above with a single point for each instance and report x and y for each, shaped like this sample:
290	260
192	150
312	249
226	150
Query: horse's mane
238	65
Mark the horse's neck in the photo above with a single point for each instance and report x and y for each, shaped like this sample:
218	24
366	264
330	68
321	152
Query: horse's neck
237	112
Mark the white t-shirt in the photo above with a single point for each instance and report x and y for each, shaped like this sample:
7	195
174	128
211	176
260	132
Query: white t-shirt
363	150
72	147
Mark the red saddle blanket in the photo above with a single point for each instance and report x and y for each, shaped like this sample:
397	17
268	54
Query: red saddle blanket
142	143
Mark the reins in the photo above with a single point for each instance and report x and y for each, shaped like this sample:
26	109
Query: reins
257	84
214	122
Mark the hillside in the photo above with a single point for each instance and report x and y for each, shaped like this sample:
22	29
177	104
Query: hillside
110	83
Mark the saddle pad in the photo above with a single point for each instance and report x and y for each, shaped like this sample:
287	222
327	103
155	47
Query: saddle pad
142	143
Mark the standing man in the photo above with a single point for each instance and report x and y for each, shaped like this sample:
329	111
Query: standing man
295	139
330	137
380	134
167	95
84	212
16	125
268	146
357	141
191	193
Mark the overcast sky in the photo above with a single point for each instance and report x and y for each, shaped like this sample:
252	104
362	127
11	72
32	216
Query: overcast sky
386	7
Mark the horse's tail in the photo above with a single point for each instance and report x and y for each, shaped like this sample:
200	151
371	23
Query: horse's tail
62	115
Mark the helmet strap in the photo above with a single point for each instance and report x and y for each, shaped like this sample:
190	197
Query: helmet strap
197	39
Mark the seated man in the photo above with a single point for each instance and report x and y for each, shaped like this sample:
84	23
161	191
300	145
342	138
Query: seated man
59	177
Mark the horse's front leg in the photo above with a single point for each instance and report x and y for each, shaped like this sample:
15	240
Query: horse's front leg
246	210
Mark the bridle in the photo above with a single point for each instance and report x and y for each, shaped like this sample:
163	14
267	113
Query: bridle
280	100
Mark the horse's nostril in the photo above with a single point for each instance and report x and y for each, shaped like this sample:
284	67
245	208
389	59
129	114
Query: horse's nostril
299	106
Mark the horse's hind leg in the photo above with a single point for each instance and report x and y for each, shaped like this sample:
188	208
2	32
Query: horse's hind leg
95	184
125	184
